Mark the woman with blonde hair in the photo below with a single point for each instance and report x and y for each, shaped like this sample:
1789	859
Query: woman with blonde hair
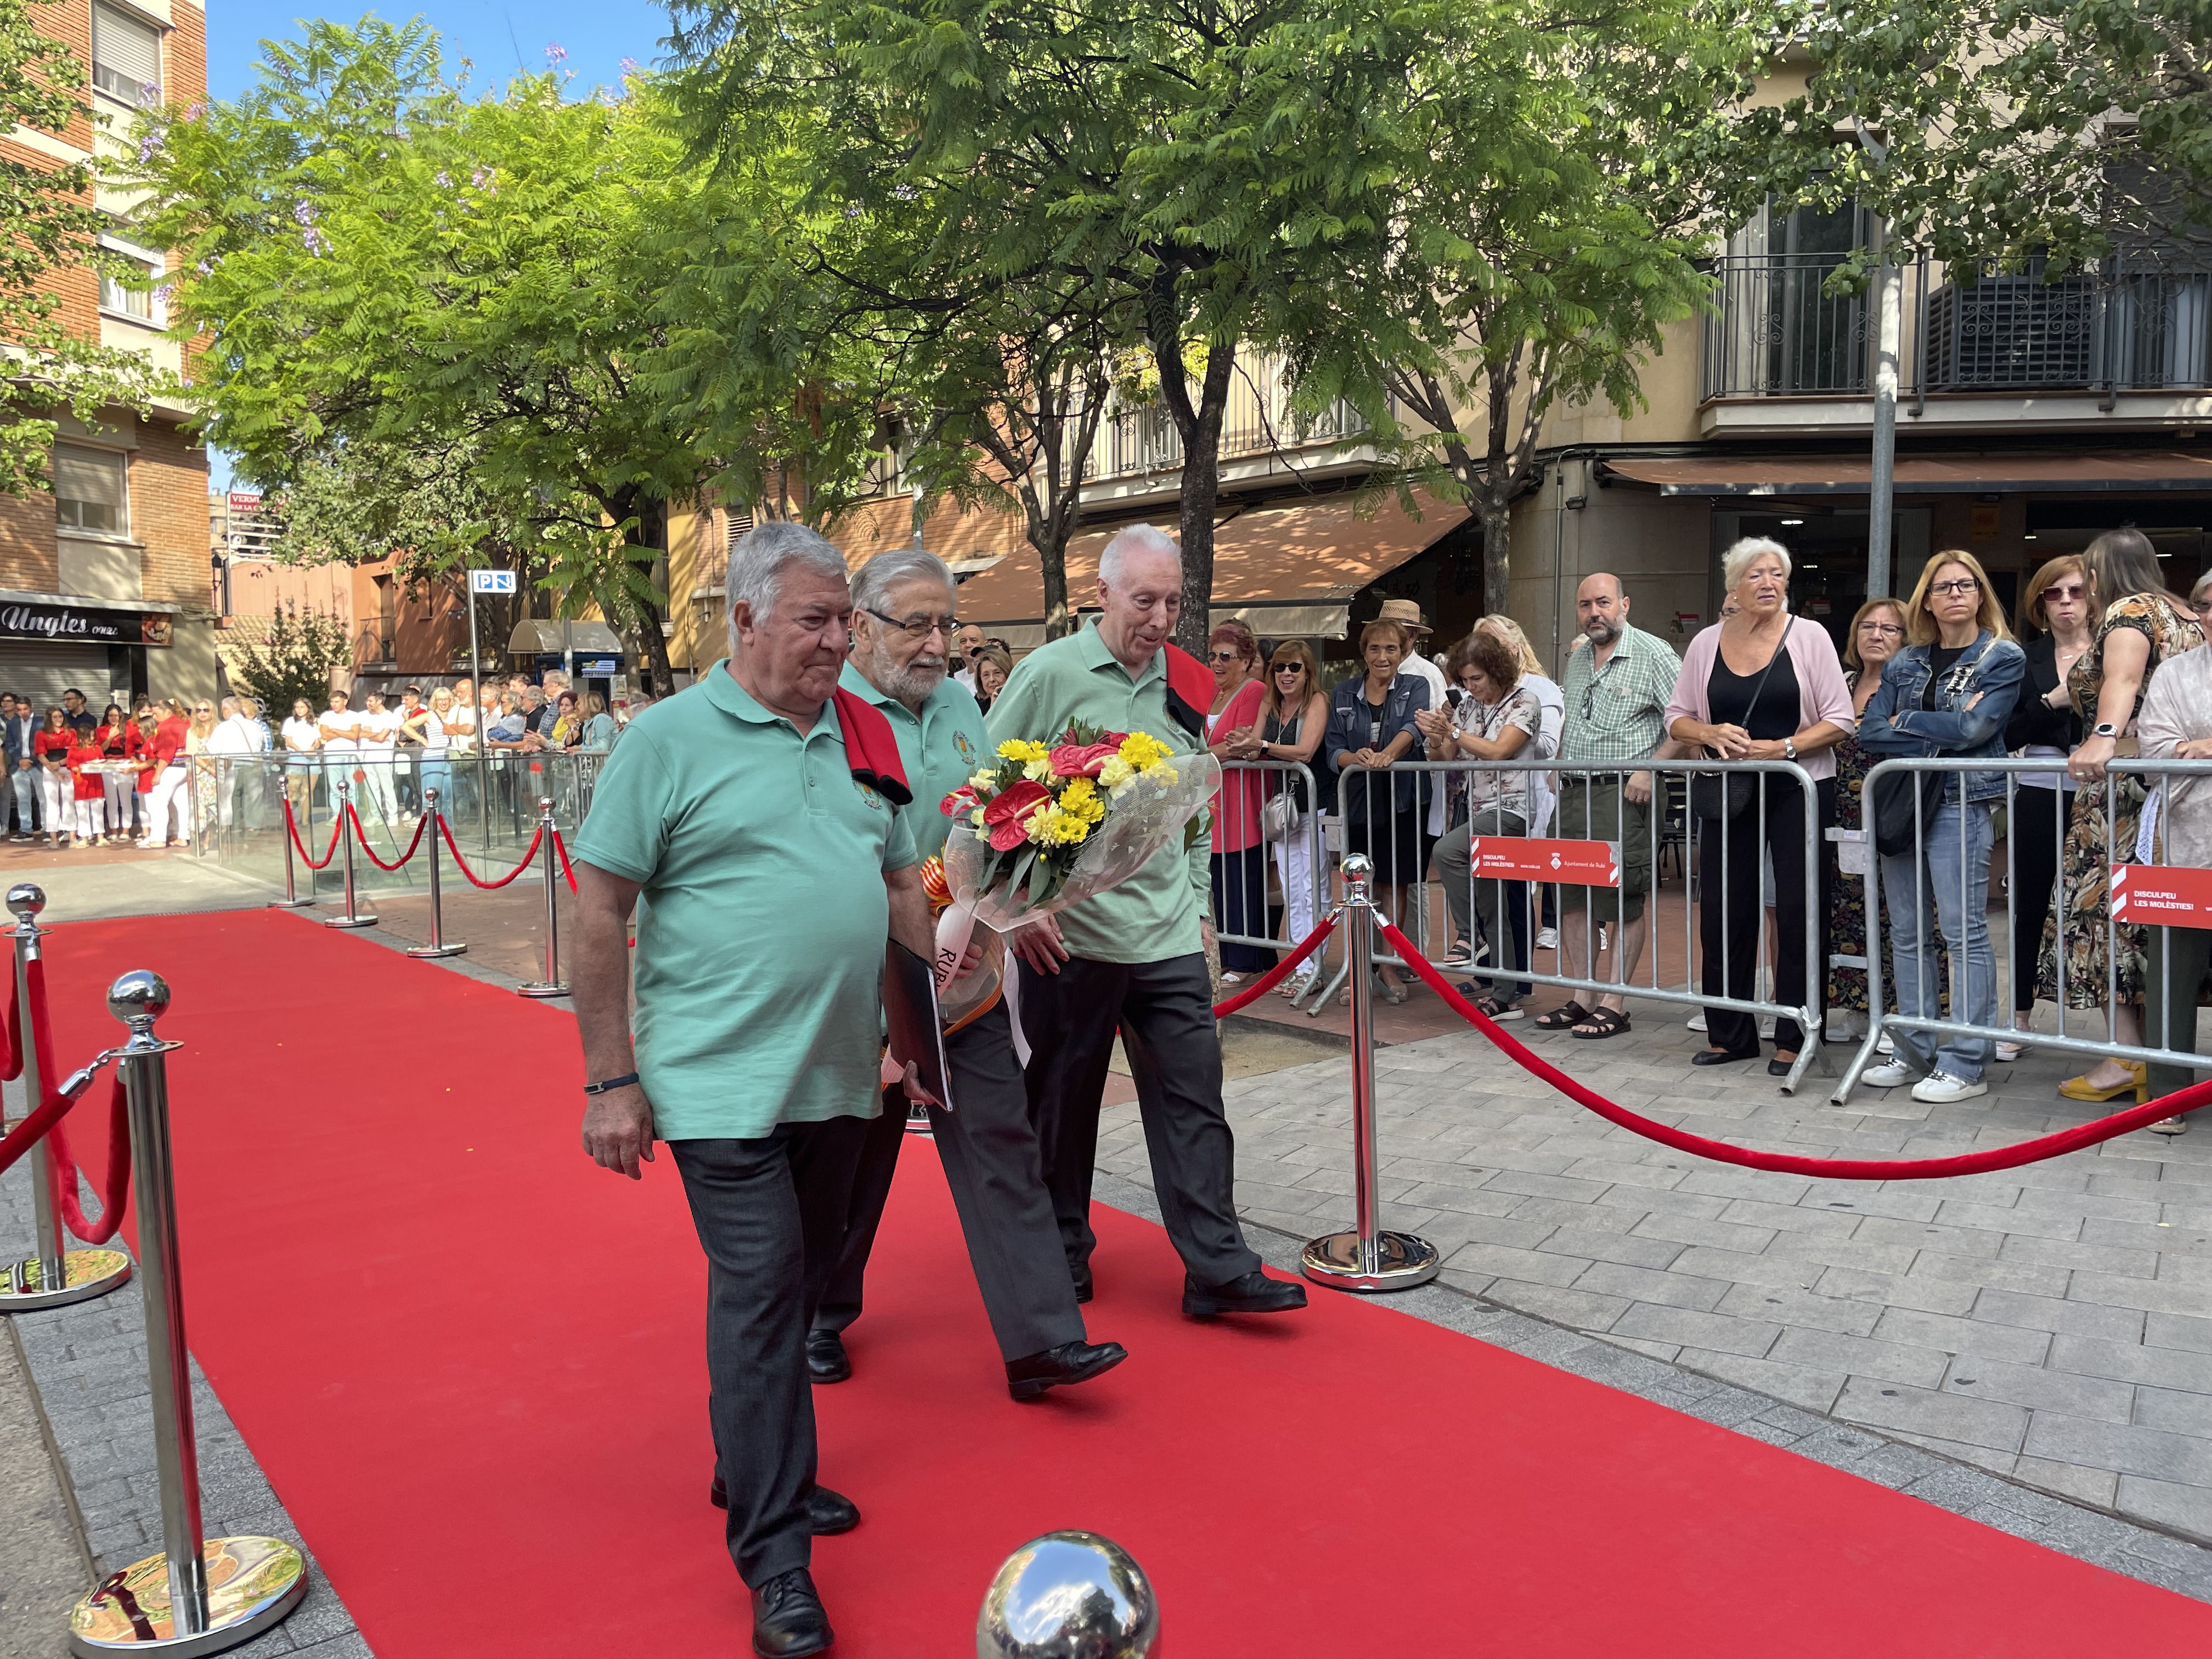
1949	696
1293	715
2139	625
1552	702
1370	726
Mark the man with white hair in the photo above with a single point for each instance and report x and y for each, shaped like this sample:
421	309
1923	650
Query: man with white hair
902	617
1132	959
750	813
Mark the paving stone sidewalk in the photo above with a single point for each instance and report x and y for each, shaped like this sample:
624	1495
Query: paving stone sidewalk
2051	1325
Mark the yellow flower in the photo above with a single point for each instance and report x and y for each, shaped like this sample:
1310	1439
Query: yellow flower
1051	827
984	783
1038	771
1143	750
1021	749
1116	775
1081	799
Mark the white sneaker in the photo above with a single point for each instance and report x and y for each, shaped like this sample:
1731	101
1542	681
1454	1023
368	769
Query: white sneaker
1884	1044
1696	1022
1766	1029
1894	1075
1940	1088
2009	1052
1547	938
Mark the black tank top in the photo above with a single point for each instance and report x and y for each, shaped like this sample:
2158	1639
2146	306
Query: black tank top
1729	696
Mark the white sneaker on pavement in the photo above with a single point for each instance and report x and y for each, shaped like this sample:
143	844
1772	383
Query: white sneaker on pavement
1894	1075
1941	1088
1547	938
1696	1022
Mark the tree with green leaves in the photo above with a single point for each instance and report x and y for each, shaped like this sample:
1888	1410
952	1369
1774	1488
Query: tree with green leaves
294	658
47	226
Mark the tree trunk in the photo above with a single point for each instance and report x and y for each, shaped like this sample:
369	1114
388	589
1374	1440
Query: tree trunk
656	655
1496	512
1201	490
1052	560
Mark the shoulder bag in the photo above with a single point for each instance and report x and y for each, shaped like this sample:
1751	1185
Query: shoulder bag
1717	795
1284	809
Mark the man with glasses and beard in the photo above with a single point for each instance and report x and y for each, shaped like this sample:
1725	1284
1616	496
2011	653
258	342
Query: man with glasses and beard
902	604
1618	683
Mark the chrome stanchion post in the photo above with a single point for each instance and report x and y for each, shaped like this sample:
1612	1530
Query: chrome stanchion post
54	1273
1371	1258
437	946
352	918
552	985
167	1603
291	901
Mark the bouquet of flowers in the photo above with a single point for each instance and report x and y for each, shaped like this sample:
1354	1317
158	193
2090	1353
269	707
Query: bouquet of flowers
1049	824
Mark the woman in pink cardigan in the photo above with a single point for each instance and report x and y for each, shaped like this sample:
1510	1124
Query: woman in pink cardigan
1762	685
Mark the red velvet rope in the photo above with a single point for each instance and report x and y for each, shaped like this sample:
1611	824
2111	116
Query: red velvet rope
362	836
560	849
475	880
12	1024
1276	974
61	1165
292	827
1838	1169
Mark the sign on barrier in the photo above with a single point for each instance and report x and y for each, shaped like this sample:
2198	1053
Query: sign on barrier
2162	895
1575	863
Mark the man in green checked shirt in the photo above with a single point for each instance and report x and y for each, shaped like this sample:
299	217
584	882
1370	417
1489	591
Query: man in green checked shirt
1132	959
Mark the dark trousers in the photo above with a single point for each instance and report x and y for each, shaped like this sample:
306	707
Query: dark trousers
1240	906
765	1209
2176	961
990	1153
2036	831
1729	909
1164	1014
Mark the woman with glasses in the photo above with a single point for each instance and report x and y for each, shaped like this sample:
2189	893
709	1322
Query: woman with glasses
1293	715
202	764
169	802
1240	858
994	665
2139	624
1371	725
1947	694
1877	635
57	787
2054	635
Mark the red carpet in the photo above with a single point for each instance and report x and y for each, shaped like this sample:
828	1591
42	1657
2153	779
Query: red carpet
471	1363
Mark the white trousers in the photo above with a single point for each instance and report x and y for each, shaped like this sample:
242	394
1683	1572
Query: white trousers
373	793
118	796
1294	863
57	802
171	797
89	818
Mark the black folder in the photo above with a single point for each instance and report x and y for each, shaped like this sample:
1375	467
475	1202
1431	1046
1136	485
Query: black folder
917	1031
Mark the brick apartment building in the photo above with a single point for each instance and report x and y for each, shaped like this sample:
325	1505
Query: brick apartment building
105	582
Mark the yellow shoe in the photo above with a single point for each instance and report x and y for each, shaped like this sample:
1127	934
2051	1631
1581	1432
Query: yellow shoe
2138	1083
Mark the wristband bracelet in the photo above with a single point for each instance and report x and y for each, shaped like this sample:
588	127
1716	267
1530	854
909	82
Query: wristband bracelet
622	1082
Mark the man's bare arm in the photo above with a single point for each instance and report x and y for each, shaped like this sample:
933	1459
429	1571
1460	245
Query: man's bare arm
618	1125
910	922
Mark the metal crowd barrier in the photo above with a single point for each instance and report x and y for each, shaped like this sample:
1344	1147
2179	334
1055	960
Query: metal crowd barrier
2187	894
1298	857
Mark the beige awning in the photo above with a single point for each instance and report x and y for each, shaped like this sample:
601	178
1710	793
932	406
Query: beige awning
538	637
2006	472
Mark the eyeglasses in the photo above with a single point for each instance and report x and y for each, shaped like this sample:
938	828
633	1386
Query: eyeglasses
919	628
2203	606
1290	668
1224	656
1881	628
2055	594
1957	585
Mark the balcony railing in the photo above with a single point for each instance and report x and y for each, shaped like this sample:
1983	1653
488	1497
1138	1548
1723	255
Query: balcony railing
1259	422
1777	331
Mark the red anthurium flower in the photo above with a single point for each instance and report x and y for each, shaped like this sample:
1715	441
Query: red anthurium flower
1008	815
1083	760
959	803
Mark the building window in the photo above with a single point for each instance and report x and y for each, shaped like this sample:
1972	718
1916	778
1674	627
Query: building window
126	56
740	521
123	300
90	490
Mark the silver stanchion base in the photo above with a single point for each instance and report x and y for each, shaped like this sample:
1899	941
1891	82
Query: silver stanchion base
291	904
85	1274
349	922
1401	1261
538	987
432	950
252	1583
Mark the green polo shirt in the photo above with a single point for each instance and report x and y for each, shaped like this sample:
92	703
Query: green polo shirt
1153	915
940	747
762	917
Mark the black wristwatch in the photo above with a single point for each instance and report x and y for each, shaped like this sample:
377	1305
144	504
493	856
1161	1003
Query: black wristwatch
622	1082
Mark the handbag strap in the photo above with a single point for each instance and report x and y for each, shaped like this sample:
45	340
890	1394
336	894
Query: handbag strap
1759	684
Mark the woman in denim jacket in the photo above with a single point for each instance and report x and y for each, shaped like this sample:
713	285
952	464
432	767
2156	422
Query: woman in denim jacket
1948	693
1371	725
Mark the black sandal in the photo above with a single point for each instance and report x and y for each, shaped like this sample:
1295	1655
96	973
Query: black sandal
1563	1018
1605	1022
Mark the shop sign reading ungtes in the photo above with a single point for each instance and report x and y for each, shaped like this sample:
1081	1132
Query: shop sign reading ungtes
80	625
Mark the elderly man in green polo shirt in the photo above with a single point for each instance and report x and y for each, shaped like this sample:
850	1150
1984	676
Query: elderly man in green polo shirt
902	617
769	873
1132	959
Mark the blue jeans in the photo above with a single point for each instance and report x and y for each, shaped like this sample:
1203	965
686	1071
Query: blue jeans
434	773
1957	881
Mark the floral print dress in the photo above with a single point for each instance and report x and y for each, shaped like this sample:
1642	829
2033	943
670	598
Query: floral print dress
2091	979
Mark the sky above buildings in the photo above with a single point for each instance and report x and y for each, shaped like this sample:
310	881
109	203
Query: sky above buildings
498	36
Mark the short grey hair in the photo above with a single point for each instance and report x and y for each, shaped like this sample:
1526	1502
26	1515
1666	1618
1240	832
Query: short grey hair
1738	559
756	565
228	706
1137	539
872	588
2203	582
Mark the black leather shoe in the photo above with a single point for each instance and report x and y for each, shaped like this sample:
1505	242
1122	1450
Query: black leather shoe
1071	1362
1779	1068
827	1513
1082	1277
787	1617
825	1356
1254	1293
1721	1057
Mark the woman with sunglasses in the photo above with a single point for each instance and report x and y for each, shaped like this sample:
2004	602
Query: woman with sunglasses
1240	858
1293	715
1370	727
2054	635
169	797
57	784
